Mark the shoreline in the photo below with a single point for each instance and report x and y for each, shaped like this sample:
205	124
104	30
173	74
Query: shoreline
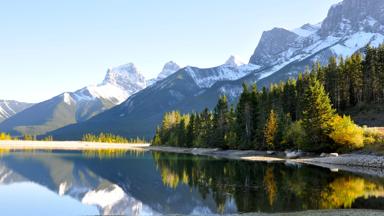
354	163
68	145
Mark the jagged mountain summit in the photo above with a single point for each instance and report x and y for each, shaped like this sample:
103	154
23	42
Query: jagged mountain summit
168	69
348	28
72	107
8	108
119	83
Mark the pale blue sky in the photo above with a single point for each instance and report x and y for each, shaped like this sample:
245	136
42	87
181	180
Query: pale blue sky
51	46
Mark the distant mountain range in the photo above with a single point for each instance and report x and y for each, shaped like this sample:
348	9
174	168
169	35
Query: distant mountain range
349	27
8	108
73	107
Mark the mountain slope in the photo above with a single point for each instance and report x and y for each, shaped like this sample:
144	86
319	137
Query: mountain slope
73	107
8	108
349	27
138	115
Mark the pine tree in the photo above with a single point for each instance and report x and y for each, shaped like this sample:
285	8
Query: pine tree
317	115
181	133
231	136
220	123
331	80
244	119
370	79
157	139
190	134
255	114
354	66
206	129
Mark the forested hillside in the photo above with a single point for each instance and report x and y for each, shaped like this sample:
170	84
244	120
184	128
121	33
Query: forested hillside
304	113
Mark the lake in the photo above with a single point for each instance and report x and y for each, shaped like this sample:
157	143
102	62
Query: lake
153	183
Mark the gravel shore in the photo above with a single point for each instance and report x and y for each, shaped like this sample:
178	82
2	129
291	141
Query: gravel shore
356	163
351	160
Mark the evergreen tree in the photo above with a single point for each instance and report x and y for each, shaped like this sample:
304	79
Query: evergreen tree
231	136
244	119
354	66
220	123
317	115
191	129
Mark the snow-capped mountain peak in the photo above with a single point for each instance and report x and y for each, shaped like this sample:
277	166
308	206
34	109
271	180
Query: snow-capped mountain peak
235	60
119	83
348	28
125	76
168	69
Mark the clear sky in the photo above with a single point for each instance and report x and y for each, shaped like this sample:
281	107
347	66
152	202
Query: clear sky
51	46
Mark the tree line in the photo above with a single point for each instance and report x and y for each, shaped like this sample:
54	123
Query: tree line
299	113
111	138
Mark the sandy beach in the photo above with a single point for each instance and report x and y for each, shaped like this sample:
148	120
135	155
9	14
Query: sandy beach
67	145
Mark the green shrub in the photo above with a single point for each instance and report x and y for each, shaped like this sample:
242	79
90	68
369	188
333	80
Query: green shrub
294	136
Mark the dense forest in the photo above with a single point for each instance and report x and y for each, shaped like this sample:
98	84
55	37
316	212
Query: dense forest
302	113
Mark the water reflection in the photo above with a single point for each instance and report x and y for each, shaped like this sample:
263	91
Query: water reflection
343	192
111	153
147	183
267	187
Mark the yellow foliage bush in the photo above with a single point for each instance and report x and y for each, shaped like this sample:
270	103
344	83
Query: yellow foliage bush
5	136
346	133
110	138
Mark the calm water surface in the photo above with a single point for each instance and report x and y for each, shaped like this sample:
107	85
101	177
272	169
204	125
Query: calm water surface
138	183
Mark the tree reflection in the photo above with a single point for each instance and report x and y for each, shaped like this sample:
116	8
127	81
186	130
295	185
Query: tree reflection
270	185
343	191
263	187
111	153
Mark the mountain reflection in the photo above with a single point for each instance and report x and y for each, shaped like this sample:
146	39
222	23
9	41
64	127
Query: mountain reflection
151	183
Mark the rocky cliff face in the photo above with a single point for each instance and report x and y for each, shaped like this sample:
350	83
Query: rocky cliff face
126	77
271	44
354	15
348	27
